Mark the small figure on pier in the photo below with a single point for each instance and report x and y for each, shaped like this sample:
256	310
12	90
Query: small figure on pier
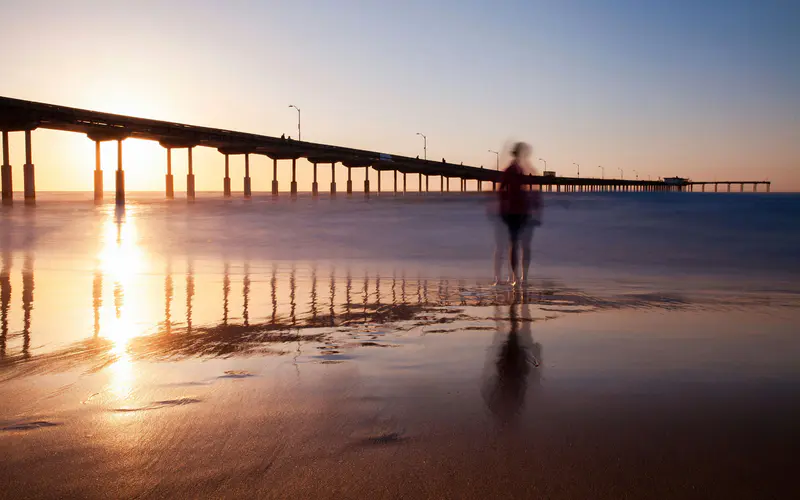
283	137
417	157
443	161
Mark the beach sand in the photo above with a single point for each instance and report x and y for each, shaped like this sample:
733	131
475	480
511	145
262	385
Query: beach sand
479	392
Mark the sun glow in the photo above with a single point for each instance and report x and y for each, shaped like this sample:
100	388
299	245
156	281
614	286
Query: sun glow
120	261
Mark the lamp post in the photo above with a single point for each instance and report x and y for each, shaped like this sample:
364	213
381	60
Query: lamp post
424	144
545	163
603	171
636	172
579	169
497	158
299	137
621	173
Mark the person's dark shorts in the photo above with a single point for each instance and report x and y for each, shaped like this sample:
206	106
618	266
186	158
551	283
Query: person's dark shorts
515	224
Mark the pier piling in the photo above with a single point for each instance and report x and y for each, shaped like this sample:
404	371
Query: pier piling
315	185
190	177
333	179
293	185
8	187
226	181
98	174
169	179
274	177
247	185
120	177
28	171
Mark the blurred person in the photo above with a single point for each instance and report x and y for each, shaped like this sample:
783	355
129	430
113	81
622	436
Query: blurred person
519	211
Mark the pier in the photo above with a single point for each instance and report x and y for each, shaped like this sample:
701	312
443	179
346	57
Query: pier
19	116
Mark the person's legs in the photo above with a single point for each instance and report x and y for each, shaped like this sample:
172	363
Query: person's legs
513	223
525	242
500	244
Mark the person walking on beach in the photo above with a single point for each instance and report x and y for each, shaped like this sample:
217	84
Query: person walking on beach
519	211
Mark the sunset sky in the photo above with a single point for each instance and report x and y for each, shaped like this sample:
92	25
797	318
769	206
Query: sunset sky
706	89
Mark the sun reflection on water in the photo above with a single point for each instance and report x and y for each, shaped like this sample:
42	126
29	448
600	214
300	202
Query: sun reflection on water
120	260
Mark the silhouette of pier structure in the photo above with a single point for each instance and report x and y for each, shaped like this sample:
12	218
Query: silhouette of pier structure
26	116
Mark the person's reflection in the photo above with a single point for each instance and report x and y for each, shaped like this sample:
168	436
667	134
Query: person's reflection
513	357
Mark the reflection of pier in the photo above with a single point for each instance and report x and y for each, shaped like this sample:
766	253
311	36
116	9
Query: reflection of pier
5	301
26	116
301	298
347	300
27	304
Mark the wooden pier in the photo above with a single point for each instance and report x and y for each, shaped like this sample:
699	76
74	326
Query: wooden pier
26	116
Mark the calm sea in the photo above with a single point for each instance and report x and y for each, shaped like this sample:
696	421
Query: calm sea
75	267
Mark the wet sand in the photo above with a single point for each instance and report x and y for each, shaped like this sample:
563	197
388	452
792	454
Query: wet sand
551	393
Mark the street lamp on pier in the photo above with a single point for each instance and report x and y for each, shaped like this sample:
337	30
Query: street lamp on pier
579	169
497	155
424	144
602	171
545	162
298	121
621	173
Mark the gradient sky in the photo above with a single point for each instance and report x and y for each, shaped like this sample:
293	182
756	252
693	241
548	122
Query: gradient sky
707	89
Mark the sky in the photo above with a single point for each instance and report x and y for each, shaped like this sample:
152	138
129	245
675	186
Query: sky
705	89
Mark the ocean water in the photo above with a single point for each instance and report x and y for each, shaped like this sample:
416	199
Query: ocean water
74	263
239	348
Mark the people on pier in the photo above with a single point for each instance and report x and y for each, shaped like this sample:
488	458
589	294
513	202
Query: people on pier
520	211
